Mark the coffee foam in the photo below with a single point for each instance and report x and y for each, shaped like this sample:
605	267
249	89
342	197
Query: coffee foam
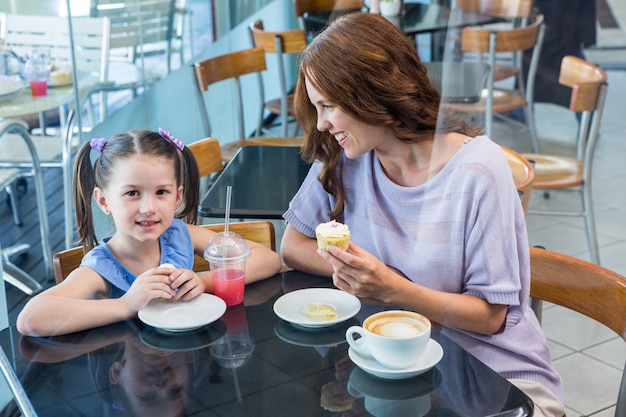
396	326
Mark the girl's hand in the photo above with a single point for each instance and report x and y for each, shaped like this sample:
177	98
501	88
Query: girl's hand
186	283
358	272
154	283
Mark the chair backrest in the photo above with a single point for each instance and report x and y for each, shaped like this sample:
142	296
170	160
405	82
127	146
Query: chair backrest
482	40
261	232
503	8
231	66
589	85
138	25
208	154
523	174
280	43
91	37
586	288
490	41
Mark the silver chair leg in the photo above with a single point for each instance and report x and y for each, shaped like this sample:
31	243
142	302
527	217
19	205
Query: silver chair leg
11	192
20	279
14	275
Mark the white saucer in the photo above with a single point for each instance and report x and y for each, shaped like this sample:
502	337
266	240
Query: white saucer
9	86
430	358
182	316
289	307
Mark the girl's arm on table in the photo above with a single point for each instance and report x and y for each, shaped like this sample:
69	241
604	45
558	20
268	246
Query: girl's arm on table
72	306
262	262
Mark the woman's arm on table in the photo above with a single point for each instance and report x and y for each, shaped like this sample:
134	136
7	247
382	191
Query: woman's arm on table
360	273
300	252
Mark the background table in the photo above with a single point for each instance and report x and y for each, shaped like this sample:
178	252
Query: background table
416	19
264	180
282	371
57	97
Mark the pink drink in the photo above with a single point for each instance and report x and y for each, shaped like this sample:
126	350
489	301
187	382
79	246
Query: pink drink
228	284
39	88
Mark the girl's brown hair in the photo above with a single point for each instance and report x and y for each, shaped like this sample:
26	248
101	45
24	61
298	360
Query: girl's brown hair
368	68
135	142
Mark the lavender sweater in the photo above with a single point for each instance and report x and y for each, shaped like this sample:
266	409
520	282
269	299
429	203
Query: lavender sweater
461	232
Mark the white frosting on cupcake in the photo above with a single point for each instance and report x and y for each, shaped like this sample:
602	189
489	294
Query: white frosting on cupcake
332	229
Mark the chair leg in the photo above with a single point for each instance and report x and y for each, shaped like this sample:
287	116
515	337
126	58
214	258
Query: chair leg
529	114
12	195
590	224
14	275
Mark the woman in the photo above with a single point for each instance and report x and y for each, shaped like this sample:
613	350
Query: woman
436	222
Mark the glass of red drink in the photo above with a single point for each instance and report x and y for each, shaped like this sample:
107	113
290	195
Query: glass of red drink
39	87
226	253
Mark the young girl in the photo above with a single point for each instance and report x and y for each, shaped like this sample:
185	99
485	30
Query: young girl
148	183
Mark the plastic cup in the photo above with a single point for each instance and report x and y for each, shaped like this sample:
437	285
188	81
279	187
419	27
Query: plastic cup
37	71
226	254
39	88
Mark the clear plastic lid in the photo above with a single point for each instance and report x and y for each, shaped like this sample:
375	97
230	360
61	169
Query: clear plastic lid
226	247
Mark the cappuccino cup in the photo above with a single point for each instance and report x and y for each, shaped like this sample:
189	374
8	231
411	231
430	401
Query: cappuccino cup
395	338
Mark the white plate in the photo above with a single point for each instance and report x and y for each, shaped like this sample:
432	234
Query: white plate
182	316
289	306
9	86
430	358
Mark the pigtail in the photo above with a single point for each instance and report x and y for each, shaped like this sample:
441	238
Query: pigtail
190	180
83	192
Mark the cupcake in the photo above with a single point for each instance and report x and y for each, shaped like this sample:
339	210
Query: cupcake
332	233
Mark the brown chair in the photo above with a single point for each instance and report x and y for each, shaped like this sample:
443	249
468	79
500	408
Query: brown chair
280	43
476	41
552	172
517	14
261	232
232	66
588	289
523	175
208	155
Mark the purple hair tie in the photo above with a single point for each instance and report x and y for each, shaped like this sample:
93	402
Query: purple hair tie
98	144
177	143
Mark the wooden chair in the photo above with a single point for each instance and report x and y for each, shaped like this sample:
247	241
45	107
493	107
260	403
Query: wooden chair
232	66
552	172
517	14
281	44
261	232
209	158
476	41
588	289
523	175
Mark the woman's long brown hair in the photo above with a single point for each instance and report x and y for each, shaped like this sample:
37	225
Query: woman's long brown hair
368	68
